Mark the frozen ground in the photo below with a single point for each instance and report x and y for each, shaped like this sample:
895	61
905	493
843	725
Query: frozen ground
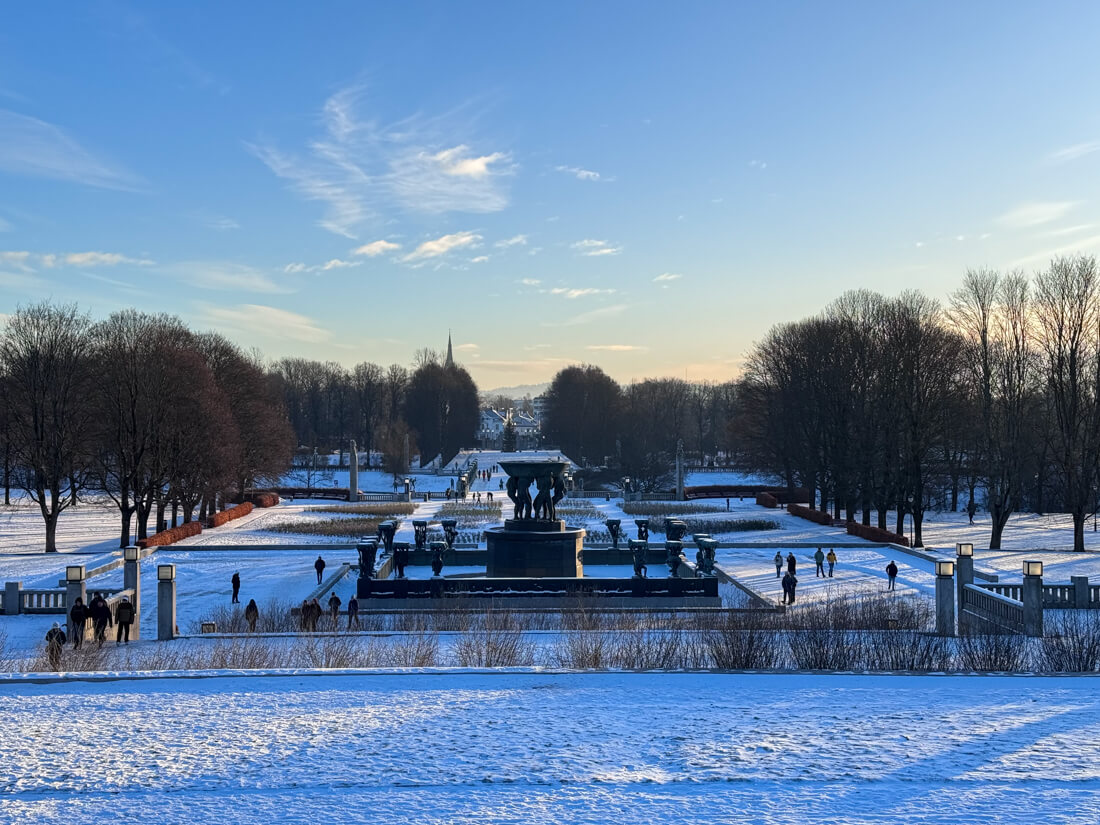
491	748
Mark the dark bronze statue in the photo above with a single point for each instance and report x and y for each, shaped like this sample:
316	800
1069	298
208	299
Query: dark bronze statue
544	505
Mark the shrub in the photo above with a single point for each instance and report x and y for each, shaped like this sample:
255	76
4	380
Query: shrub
1072	643
906	650
992	652
866	531
264	499
341	527
808	513
226	516
721	525
171	535
766	500
653	509
385	510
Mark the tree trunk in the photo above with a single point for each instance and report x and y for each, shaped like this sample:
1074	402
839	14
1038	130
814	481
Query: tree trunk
160	513
1079	532
918	520
901	521
175	510
143	522
51	532
882	518
955	493
126	513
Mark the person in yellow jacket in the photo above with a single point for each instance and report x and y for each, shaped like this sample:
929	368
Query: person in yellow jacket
831	558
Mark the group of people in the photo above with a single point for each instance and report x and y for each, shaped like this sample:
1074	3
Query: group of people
309	614
790	580
99	613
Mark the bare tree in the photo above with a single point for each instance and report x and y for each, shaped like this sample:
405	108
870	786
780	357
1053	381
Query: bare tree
44	356
993	313
1067	299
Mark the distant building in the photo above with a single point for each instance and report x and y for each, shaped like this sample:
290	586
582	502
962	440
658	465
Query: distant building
491	429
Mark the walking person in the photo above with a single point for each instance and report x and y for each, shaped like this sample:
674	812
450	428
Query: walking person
971	509
792	563
78	618
124	617
831	558
55	641
891	574
353	611
778	564
100	613
334	608
303	615
819	560
314	615
789	582
251	614
319	566
236	582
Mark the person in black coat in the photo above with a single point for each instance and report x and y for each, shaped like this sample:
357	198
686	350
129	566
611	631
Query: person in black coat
791	563
319	566
236	582
891	575
353	611
251	614
78	619
124	617
100	613
55	641
334	608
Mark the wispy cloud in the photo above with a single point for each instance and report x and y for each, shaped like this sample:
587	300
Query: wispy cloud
29	261
593	248
515	240
580	174
1090	244
358	167
221	224
467	347
615	348
579	292
480	259
443	245
35	148
530	281
601	314
1028	215
1077	150
664	277
758	164
5	226
267	321
225	276
375	248
1069	230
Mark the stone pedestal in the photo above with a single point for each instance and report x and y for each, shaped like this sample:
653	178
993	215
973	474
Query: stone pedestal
166	610
945	605
12	595
529	548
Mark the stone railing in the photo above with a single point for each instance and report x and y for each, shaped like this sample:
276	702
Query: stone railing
1062	596
992	608
41	601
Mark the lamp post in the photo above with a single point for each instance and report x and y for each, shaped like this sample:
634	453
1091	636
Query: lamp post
964	563
945	598
75	585
1032	597
166	602
131	580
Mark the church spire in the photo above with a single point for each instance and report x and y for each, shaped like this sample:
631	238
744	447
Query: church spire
450	362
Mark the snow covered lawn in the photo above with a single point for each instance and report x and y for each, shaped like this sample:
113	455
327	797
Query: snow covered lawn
467	747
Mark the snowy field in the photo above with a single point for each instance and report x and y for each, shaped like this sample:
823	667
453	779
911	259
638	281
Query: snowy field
487	748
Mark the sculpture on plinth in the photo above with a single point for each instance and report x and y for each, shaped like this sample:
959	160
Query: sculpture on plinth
450	531
614	530
544	505
400	558
437	557
368	551
640	549
674	529
420	534
643	528
386	532
674	549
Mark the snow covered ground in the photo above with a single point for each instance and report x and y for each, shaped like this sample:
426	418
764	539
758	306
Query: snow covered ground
505	747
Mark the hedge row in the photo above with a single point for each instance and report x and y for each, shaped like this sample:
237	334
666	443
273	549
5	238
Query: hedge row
171	535
264	499
766	500
865	531
218	519
810	514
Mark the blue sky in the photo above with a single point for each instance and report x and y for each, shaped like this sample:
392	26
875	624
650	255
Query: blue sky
646	187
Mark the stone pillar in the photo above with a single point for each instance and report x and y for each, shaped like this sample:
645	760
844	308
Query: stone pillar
353	473
945	598
13	595
131	580
1080	592
964	566
1032	597
166	602
76	587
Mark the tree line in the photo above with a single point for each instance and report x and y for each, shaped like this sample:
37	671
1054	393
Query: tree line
636	428
137	406
432	408
881	405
